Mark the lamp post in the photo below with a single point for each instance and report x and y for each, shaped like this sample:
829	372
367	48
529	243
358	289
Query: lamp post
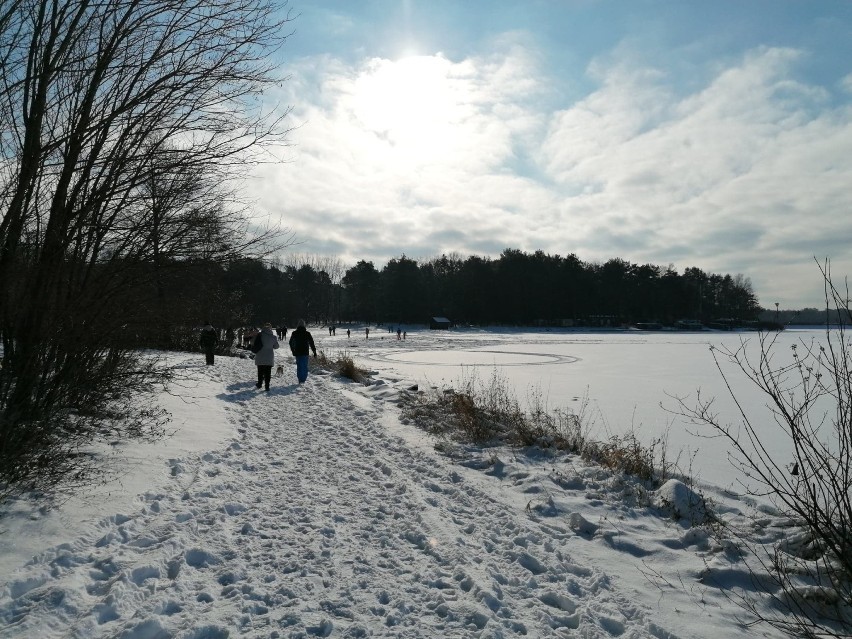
776	312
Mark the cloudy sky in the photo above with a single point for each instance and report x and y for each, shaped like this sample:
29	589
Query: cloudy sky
709	134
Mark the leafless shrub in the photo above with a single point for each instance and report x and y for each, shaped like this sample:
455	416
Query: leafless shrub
55	451
808	573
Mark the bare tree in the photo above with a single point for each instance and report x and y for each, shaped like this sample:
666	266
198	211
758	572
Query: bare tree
807	574
330	284
189	214
120	122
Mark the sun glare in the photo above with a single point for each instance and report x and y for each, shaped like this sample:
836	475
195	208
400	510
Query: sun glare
412	104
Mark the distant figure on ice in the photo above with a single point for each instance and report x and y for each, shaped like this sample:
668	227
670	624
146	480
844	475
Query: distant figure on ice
208	340
398	334
347	333
368	333
300	342
264	359
404	334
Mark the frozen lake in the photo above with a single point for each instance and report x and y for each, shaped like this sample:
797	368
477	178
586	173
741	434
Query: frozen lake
629	377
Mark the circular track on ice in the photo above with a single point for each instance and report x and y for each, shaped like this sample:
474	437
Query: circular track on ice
463	357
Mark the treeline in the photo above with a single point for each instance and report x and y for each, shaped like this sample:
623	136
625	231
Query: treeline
806	317
514	289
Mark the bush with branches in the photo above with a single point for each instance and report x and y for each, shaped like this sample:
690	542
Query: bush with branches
809	399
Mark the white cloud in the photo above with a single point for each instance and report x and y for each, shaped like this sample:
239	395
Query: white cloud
753	156
427	155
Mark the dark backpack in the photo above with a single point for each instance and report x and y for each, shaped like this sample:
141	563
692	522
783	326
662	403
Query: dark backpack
299	343
208	338
257	344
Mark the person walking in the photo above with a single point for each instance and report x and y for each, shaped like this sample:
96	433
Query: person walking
264	359
208	340
301	341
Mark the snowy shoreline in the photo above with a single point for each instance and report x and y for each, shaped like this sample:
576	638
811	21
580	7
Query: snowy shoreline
313	511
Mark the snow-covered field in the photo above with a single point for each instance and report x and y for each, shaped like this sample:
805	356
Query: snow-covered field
314	511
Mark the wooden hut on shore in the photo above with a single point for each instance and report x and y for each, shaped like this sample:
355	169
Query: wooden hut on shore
439	323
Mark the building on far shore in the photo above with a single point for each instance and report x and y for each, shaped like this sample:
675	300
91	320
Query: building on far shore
440	323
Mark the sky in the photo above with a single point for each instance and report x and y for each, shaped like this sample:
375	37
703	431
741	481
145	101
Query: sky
715	135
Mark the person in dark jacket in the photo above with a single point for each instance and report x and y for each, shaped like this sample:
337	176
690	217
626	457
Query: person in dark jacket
301	341
208	341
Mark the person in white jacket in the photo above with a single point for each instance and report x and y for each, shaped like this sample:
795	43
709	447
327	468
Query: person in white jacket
264	359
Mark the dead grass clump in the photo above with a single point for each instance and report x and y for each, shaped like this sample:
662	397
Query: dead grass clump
343	365
488	413
627	454
558	428
483	412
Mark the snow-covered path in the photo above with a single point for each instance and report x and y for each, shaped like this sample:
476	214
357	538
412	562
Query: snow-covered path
373	534
316	519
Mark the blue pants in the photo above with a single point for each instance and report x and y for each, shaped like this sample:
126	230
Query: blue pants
302	368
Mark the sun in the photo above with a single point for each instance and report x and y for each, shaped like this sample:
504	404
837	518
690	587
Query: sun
413	104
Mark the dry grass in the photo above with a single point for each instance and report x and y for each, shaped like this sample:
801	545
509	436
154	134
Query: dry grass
489	414
627	454
341	364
